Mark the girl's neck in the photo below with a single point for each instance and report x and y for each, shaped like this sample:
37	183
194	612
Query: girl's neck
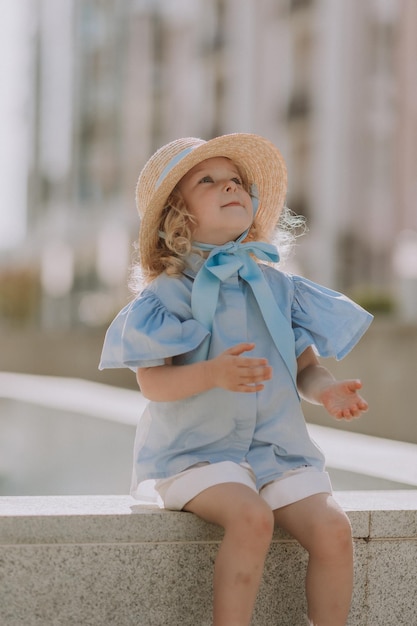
207	247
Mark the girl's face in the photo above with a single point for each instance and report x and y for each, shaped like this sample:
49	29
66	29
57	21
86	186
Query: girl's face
213	193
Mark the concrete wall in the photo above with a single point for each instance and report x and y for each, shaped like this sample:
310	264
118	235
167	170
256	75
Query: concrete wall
385	360
103	560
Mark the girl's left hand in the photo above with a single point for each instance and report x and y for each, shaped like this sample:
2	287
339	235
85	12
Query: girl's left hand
341	399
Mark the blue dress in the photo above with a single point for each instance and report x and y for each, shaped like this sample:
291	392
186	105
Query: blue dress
266	429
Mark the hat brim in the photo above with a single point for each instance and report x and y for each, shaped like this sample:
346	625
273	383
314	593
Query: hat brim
258	160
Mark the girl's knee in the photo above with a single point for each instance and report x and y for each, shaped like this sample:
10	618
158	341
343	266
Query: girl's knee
254	524
260	519
332	536
341	530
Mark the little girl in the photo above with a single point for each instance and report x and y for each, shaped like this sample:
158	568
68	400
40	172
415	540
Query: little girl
224	344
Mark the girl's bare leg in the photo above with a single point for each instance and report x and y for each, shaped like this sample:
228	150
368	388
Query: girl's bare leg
248	523
323	529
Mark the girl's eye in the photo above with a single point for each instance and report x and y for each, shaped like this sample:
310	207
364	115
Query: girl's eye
237	180
206	179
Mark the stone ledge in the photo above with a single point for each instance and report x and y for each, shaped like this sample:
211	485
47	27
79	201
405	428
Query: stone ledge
106	519
107	560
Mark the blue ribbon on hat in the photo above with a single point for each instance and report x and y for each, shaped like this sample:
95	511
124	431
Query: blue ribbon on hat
224	261
172	163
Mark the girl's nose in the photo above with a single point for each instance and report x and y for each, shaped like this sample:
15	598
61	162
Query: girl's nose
230	185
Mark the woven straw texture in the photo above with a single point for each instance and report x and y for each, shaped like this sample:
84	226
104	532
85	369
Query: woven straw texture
258	160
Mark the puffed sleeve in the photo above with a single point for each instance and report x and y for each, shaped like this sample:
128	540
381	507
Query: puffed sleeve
326	319
145	333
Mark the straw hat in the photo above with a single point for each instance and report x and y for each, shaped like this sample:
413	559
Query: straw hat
257	159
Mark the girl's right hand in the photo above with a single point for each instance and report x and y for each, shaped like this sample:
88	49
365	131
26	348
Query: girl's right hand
234	372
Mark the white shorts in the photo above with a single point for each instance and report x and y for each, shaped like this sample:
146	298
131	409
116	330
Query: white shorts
294	485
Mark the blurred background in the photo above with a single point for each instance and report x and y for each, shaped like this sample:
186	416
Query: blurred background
90	89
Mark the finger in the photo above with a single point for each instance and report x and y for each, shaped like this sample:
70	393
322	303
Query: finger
240	348
360	406
344	415
250	388
341	413
356	411
249	364
354	385
254	375
252	363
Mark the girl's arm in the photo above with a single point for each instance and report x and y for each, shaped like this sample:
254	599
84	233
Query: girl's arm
317	385
230	370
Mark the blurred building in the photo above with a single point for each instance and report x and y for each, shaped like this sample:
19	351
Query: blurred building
98	85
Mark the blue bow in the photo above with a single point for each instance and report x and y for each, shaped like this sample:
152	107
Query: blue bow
223	262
